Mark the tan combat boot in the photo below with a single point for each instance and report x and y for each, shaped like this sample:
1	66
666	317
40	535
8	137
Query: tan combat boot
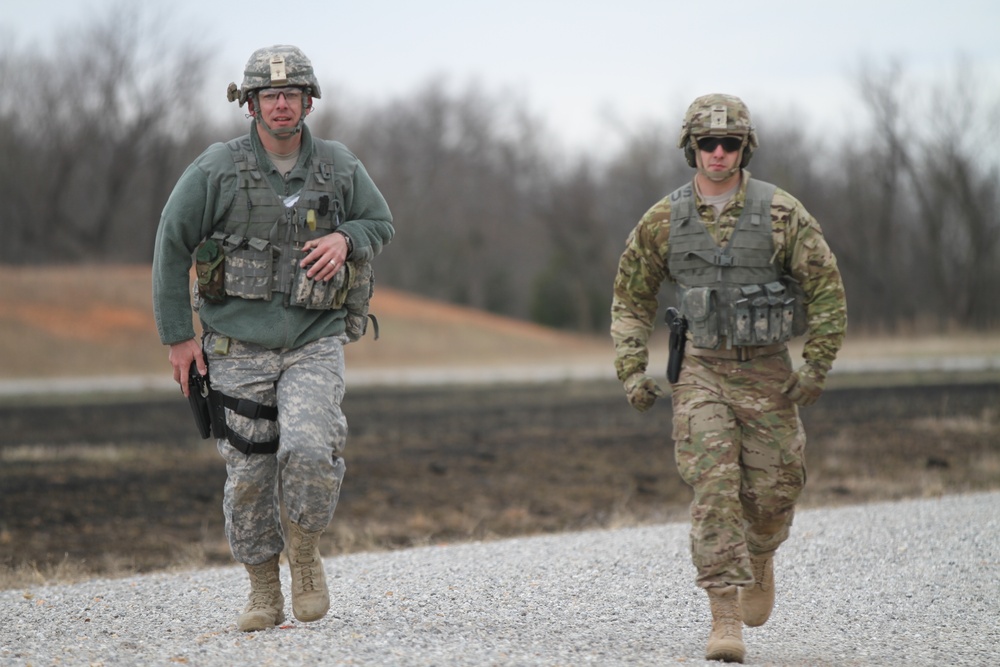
757	601
310	597
726	641
266	605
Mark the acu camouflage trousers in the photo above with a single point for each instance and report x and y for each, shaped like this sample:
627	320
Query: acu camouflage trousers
739	443
307	385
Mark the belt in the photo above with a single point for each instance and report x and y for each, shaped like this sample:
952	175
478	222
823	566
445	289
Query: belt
738	353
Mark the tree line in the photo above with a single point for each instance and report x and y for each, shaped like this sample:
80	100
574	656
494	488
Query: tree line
490	211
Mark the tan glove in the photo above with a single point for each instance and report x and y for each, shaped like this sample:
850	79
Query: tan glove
642	391
805	385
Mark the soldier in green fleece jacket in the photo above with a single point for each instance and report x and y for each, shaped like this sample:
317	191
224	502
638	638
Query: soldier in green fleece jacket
282	228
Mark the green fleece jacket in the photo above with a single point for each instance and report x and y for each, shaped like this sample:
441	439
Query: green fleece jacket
197	206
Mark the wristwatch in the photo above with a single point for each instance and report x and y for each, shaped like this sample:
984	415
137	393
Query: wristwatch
350	243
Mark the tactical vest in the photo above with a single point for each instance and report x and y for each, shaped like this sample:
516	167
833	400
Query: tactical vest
734	293
260	243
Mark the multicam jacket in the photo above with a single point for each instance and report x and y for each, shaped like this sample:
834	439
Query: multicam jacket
800	249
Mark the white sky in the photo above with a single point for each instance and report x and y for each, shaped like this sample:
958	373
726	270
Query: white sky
577	63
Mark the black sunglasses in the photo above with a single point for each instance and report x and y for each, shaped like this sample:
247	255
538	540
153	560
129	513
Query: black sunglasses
729	144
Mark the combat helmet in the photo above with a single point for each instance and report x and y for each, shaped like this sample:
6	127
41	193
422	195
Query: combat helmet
275	67
719	115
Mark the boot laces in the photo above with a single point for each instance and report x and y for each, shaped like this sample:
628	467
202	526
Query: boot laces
728	619
262	590
260	599
305	560
759	565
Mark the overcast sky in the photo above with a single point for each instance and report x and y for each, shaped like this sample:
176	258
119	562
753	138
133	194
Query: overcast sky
578	63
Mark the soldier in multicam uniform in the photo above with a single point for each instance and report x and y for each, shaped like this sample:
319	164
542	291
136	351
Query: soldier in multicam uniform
752	269
282	227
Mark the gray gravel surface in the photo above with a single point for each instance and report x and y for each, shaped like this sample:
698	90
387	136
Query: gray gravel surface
908	583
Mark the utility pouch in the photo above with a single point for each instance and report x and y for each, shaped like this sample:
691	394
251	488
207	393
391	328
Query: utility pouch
249	267
209	266
357	294
700	307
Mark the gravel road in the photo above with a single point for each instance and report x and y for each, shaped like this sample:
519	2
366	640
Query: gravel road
908	583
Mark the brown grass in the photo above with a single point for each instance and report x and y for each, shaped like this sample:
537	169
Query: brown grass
98	320
85	321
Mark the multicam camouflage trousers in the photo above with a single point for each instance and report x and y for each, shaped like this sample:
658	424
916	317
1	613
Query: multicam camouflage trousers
739	443
307	385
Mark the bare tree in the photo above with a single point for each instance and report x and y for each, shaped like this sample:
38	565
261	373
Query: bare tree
920	196
489	213
462	174
105	112
956	175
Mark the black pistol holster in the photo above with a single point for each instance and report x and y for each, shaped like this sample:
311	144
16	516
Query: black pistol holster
678	339
198	398
209	408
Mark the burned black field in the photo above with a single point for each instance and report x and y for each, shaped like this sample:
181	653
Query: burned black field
121	486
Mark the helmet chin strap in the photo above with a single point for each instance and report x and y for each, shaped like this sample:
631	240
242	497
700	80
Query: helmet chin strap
285	133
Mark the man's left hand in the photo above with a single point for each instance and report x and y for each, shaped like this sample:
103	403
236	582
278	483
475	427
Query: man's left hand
805	385
326	254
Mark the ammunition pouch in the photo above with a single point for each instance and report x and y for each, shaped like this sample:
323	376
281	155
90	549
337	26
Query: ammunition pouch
229	265
745	315
314	294
249	266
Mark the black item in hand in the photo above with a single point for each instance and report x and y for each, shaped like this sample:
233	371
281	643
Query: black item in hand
678	339
198	397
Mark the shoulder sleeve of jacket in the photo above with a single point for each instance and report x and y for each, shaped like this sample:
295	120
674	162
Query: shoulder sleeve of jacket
367	219
198	201
809	260
642	269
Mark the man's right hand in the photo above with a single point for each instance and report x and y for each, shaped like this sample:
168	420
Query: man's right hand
181	356
642	391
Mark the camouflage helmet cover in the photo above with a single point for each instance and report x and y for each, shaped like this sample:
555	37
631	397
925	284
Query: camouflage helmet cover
719	115
275	67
